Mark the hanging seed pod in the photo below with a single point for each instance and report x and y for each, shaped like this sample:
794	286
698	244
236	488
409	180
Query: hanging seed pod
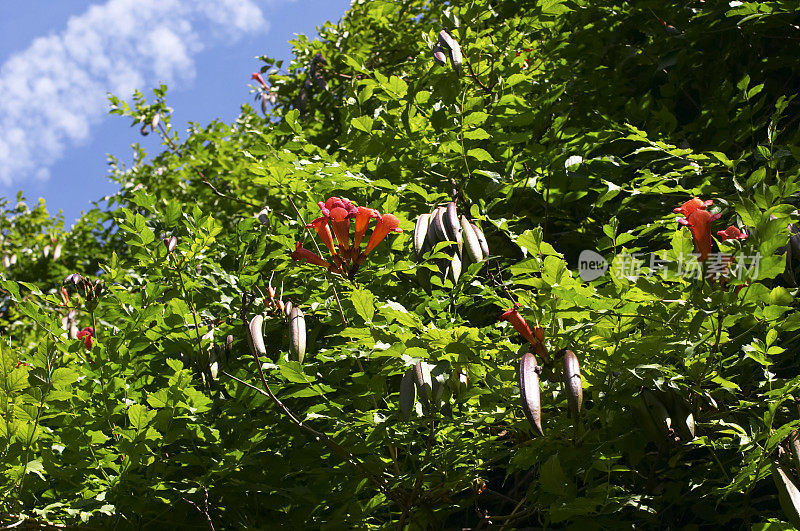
170	243
422	375
214	361
263	216
455	267
432	237
228	347
287	309
682	419
643	420
144	130
420	233
657	411
788	493
46	251
450	222
481	240
155	120
451	44
13	259
6	262
256	338
529	390
794	444
471	243
297	327
572	383
264	101
437	225
439	56
57	252
408	393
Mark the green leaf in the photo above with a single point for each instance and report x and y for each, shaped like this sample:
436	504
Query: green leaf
480	154
364	303
139	416
64	377
362	123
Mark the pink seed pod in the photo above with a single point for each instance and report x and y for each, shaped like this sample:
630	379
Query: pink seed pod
439	56
170	243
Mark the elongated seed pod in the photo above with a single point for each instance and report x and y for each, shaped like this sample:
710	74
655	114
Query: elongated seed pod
437	226
456	57
794	444
572	383
439	56
263	216
228	348
287	309
155	120
214	362
408	393
57	252
45	251
481	239
420	233
471	243
431	239
680	415
529	390
788	493
644	421
450	222
256	337
657	411
446	40
297	326
422	376
455	267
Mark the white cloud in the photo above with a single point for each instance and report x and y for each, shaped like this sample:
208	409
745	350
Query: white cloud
53	92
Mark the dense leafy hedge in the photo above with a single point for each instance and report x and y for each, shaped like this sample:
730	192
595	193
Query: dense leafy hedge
572	126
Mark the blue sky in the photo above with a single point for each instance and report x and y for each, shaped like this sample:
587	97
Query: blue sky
58	59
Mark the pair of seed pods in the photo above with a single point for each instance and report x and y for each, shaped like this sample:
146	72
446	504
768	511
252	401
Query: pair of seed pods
297	333
530	393
418	381
446	42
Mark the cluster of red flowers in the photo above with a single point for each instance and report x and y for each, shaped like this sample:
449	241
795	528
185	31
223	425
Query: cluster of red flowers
336	214
535	338
698	219
87	334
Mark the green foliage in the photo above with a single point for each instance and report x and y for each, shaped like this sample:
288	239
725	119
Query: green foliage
573	125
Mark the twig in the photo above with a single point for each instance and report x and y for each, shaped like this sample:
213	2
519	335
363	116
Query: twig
319	436
205	181
474	76
203	512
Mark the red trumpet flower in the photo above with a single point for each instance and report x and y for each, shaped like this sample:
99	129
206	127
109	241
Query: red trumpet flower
691	205
520	325
324	232
699	222
301	253
257	76
731	233
362	222
86	334
386	224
